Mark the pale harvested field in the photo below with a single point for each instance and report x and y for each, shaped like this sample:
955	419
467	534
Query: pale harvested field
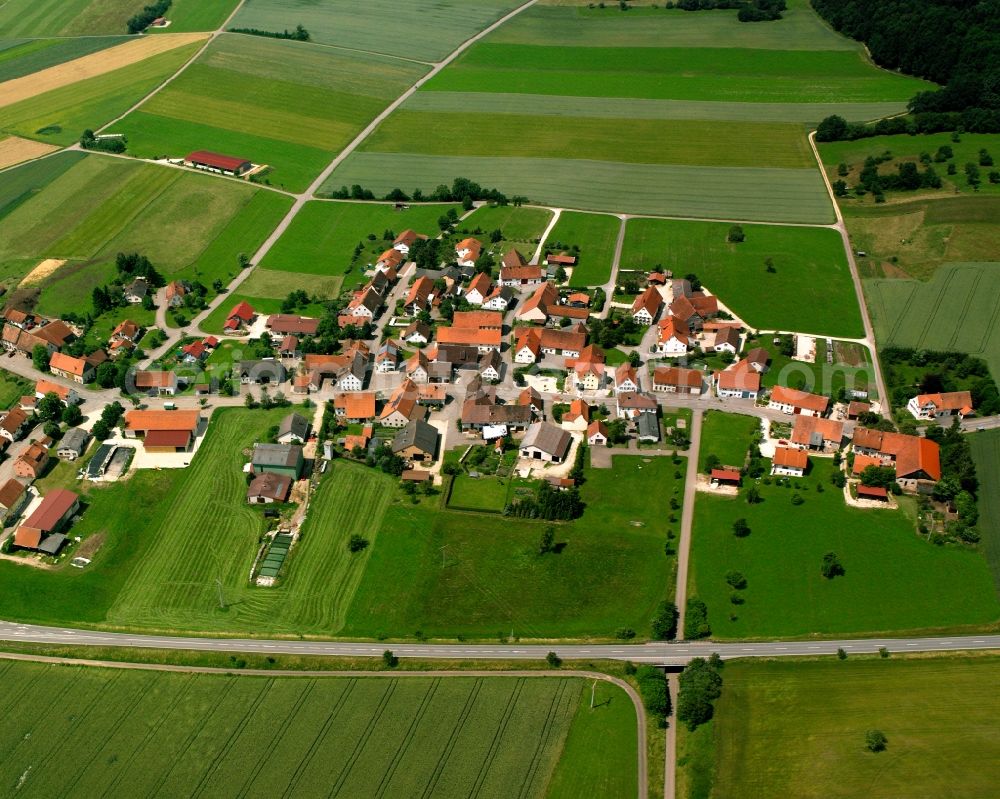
14	150
13	91
42	271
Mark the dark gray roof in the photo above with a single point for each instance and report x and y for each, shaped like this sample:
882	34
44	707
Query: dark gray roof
276	454
649	427
100	460
139	287
75	439
271	369
548	438
51	544
294	424
417	433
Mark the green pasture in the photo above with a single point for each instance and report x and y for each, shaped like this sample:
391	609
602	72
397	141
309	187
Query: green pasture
30	18
196	15
277	285
596	236
322	236
645	27
727	436
23	182
286	105
518	224
611	573
649	141
407	29
632	108
913	239
986	451
23	58
484	493
264	305
798	729
959	309
811	290
734	74
59	116
12	388
263	735
894	581
770	195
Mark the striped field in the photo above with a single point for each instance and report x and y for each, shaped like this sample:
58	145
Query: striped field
144	733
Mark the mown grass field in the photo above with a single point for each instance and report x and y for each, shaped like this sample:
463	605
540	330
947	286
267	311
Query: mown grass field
986	451
59	116
778	195
65	17
894	580
610	574
25	57
727	436
181	734
913	239
197	15
286	105
596	236
322	236
798	729
87	210
958	309
407	29
811	290
12	388
520	226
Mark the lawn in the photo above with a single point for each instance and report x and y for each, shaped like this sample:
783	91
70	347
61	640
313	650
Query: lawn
771	195
30	18
355	736
798	729
986	452
13	387
276	285
596	236
484	493
894	580
727	436
323	235
262	305
287	106
811	290
520	226
196	15
959	309
23	58
409	28
477	575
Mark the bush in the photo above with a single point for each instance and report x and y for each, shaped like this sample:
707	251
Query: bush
553	660
736	235
664	626
696	619
653	689
832	567
389	659
700	686
356	543
740	528
624	633
736	580
875	741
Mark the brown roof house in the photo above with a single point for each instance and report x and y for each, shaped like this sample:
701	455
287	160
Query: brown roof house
269	487
40	531
546	442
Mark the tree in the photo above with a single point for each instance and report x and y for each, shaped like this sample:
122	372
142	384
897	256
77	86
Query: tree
832	567
696	619
40	358
664	626
740	528
72	415
634	359
736	580
553	660
875	741
389	659
711	462
653	689
753	495
548	541
356	543
736	235
107	375
49	407
700	686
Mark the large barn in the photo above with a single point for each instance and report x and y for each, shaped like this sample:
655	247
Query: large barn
216	162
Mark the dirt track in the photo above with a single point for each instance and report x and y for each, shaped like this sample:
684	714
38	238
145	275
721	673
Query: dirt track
14	150
92	65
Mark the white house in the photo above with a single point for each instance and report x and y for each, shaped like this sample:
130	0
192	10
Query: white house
940	406
546	442
672	341
789	462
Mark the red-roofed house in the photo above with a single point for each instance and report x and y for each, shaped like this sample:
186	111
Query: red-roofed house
940	406
917	460
479	289
739	381
597	434
789	462
647	306
467	251
218	163
790	400
673	339
75	369
241	315
676	380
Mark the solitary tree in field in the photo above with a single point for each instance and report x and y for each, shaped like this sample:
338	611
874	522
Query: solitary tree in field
832	567
740	528
736	234
875	741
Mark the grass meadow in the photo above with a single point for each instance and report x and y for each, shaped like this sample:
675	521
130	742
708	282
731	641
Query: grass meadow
811	290
197	15
596	236
407	29
521	227
894	580
322	236
986	451
727	436
184	734
13	387
798	729
610	574
59	116
23	58
33	18
286	105
958	309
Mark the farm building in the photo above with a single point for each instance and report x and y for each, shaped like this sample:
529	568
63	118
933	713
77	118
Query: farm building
73	444
286	459
40	530
163	431
269	487
545	442
13	497
218	163
294	429
417	442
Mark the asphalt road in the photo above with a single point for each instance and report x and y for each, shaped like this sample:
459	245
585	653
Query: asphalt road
664	654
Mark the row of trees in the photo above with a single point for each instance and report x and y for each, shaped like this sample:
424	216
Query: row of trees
749	10
461	190
300	34
109	144
548	503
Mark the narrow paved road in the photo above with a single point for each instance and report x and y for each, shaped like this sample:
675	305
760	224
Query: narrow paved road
687	519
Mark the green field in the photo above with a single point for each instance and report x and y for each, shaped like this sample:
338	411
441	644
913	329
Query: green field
286	105
894	579
59	116
23	58
323	235
189	225
407	29
183	734
520	226
959	309
596	236
811	290
727	436
272	284
778	195
196	15
798	729
12	388
480	493
986	451
611	573
213	323
30	18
